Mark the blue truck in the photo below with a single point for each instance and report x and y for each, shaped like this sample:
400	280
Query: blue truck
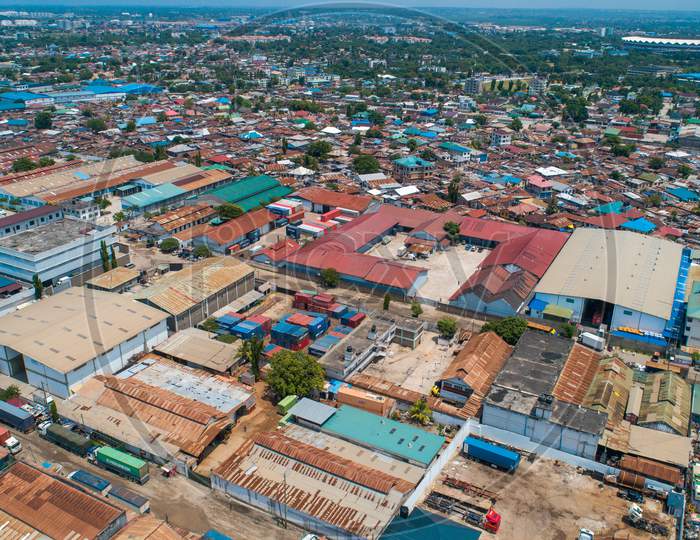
15	417
491	454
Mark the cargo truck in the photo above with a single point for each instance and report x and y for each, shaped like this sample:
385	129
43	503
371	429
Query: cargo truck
491	454
120	463
65	438
9	442
15	417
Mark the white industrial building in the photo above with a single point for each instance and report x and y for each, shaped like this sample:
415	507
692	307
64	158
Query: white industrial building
62	340
618	278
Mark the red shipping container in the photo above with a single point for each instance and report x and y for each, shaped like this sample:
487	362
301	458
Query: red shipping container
323	299
330	214
355	320
339	335
300	319
265	322
295	216
301	344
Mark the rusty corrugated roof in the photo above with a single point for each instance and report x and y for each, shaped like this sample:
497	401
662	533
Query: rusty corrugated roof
578	373
52	506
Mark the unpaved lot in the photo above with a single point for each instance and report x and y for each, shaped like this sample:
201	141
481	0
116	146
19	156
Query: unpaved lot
549	501
415	369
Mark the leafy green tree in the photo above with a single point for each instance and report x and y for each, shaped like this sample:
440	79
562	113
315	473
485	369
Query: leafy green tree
104	255
113	258
209	325
53	409
251	352
387	301
567	330
516	124
201	251
285	145
45	161
43	120
131	126
447	327
656	162
575	110
198	159
357	141
453	189
319	149
412	145
510	329
96	125
295	373
416	309
330	277
119	216
169	245
23	164
428	155
10	392
420	412
452	230
229	211
684	170
365	164
38	287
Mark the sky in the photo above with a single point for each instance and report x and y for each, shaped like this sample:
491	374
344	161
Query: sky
654	5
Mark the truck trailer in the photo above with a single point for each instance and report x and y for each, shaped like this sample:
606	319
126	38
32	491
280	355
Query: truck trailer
15	417
120	463
67	439
491	454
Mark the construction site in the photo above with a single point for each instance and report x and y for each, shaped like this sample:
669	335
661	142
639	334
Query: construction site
543	499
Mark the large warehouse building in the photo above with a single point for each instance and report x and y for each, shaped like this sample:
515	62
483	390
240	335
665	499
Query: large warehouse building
630	282
662	44
190	295
66	338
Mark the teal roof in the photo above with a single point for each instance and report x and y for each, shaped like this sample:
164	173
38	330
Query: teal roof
392	437
266	197
693	310
614	207
153	196
695	403
453	147
250	192
413	161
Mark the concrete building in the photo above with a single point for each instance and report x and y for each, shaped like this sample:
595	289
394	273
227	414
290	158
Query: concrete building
65	247
117	280
412	169
30	219
521	399
190	295
501	137
64	339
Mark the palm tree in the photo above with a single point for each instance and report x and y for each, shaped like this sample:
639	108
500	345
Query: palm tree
420	412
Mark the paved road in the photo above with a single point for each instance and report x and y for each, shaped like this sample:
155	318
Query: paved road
180	501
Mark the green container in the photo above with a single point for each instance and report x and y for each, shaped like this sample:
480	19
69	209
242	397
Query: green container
287	403
122	463
68	439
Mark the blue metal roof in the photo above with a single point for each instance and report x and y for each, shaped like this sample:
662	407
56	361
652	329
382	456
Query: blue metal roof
639	225
683	193
153	196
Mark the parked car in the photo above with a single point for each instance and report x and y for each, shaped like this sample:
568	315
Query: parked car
631	495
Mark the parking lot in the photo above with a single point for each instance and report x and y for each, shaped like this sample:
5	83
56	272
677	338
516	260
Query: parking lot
447	270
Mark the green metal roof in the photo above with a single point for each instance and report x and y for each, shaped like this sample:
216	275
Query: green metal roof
693	310
153	196
250	191
122	457
561	312
393	437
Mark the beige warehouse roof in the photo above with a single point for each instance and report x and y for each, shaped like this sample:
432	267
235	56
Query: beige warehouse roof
620	267
68	329
179	291
114	278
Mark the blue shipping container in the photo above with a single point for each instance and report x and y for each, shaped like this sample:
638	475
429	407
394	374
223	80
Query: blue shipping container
15	417
491	454
92	481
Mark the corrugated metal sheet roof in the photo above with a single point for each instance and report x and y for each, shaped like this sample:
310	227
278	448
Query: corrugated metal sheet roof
52	506
179	291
